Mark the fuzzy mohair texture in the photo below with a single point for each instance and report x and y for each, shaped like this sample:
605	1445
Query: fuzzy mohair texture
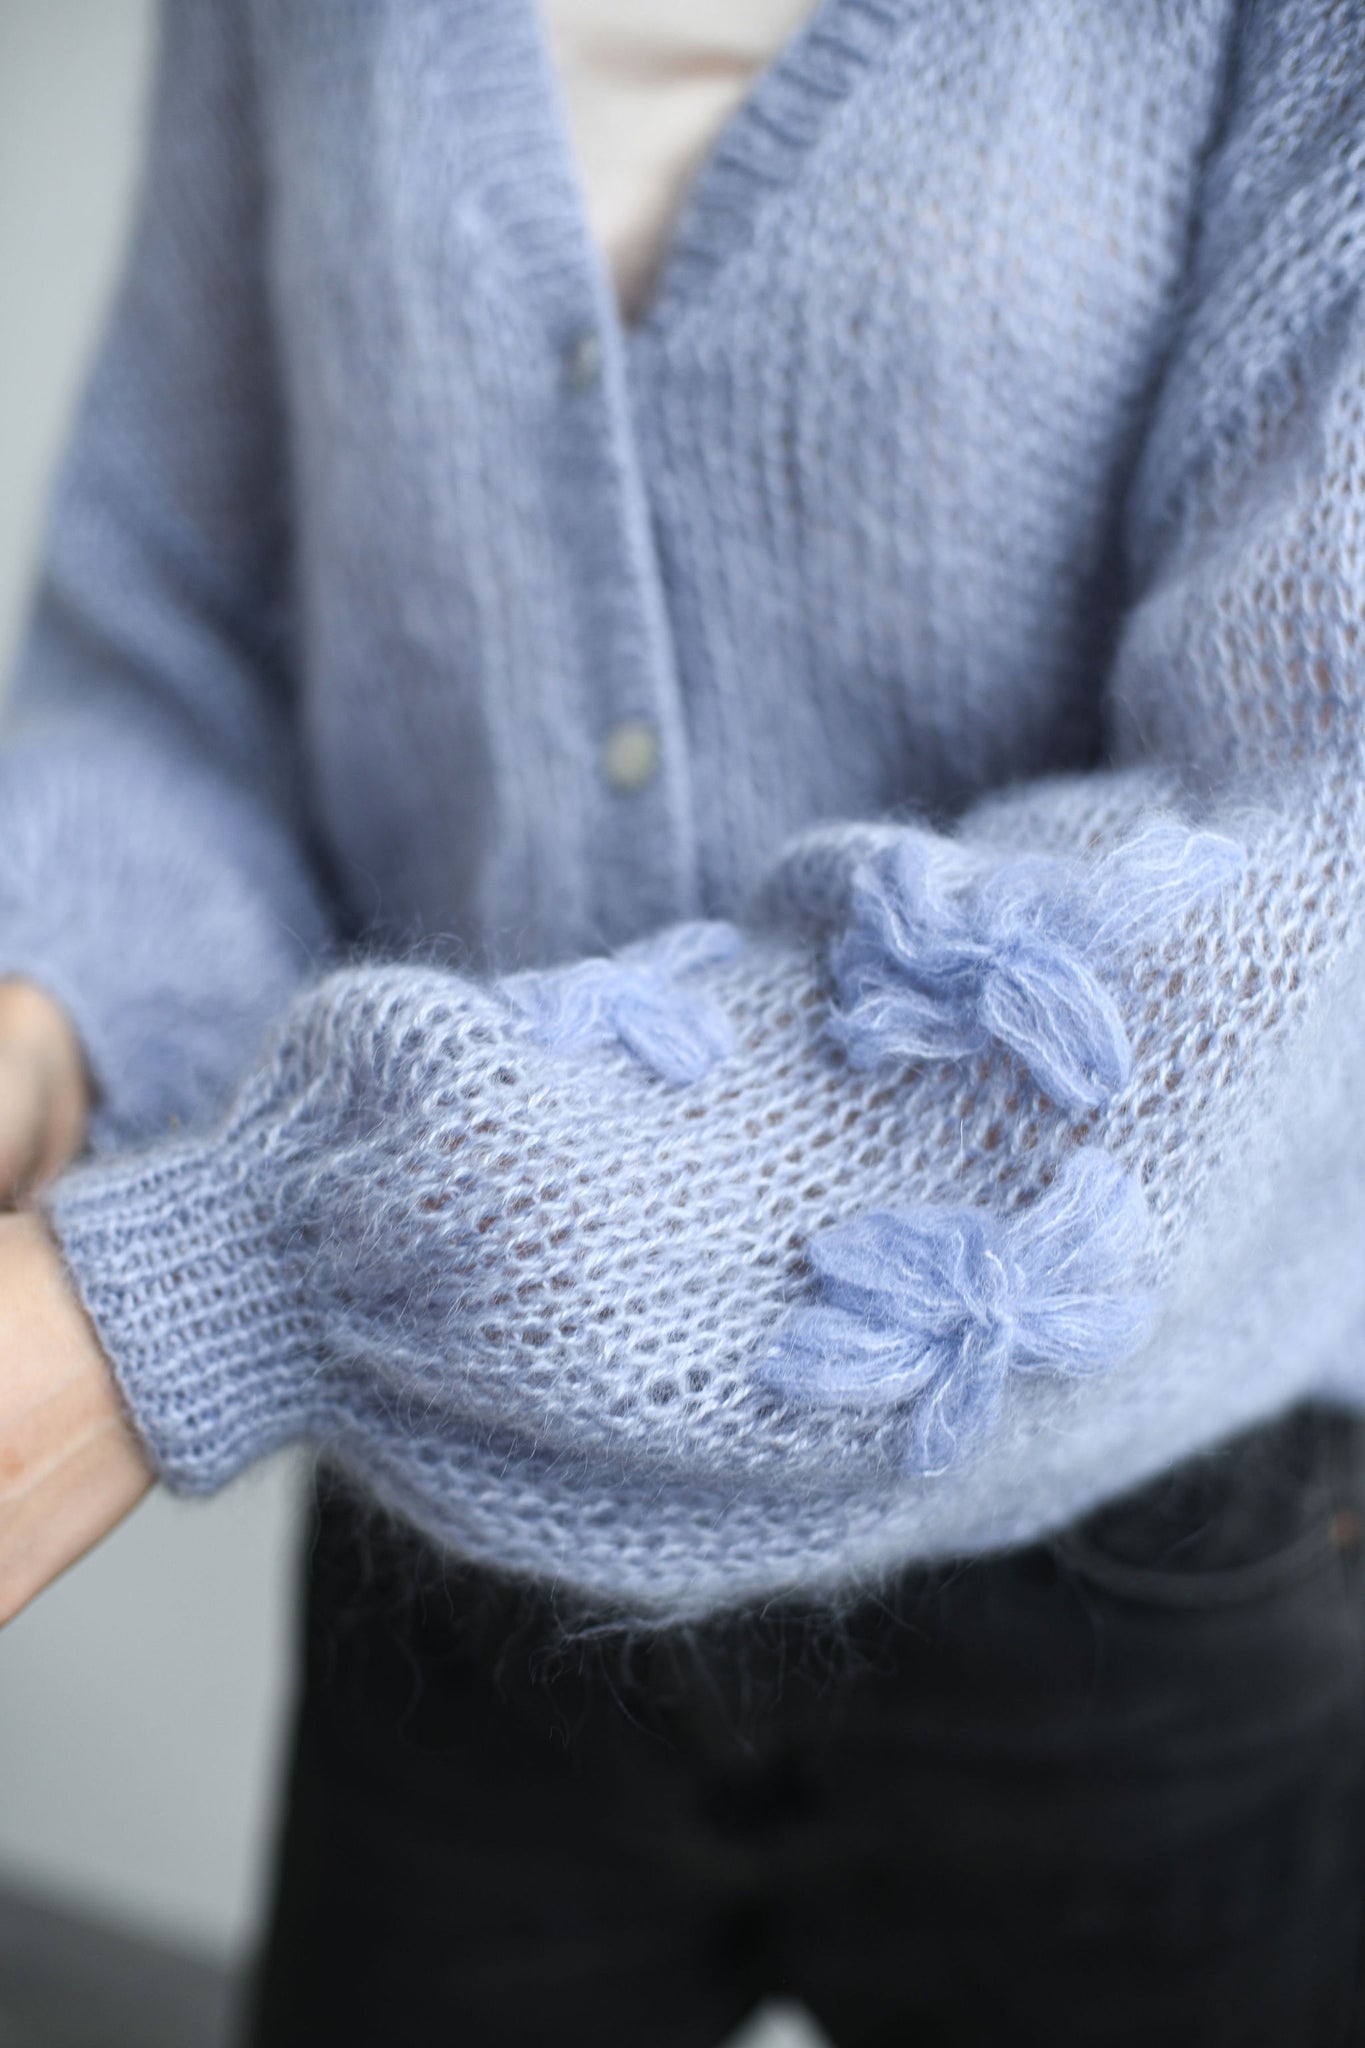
929	1103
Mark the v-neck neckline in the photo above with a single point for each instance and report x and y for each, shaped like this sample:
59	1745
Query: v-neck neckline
761	146
758	149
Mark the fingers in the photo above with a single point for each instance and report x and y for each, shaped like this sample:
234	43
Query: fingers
24	1111
44	1090
65	1114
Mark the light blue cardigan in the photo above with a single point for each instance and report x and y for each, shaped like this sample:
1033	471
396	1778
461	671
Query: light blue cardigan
723	954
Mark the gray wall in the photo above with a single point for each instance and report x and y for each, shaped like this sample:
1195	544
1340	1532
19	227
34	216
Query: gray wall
141	1698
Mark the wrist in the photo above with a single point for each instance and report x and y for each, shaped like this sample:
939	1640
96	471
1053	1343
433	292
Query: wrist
71	1464
37	1028
180	1261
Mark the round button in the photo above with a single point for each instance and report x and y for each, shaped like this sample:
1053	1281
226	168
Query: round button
630	754
583	360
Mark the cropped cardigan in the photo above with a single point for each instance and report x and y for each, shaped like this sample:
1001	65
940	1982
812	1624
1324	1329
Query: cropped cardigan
724	954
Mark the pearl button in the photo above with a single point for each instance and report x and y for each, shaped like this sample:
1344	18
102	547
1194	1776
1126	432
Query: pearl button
630	754
583	360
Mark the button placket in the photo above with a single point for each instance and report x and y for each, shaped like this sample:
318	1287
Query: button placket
618	633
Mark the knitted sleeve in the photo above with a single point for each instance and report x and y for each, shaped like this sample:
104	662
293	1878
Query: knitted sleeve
149	877
971	1178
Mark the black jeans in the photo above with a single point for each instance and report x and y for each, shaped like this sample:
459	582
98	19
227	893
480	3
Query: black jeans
1105	1790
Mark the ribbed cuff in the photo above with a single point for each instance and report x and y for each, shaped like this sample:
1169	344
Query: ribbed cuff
200	1307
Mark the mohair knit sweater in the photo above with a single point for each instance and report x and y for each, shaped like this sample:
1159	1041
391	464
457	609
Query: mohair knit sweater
725	954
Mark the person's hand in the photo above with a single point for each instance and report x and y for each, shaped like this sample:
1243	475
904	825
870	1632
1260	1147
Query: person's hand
44	1089
70	1464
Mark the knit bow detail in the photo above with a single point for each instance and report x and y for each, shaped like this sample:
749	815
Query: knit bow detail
933	1309
637	998
936	963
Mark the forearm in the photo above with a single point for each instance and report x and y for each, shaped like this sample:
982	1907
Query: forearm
560	1309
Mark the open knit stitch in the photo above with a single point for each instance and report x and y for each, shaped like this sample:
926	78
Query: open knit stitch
932	1102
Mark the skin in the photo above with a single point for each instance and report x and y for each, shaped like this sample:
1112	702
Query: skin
70	1464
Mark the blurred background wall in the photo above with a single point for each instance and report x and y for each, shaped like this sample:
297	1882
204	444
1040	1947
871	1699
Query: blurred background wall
143	1698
